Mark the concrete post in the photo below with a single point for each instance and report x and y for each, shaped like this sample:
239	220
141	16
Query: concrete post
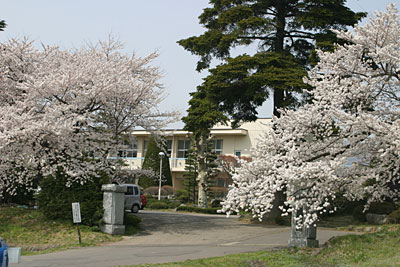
113	203
304	237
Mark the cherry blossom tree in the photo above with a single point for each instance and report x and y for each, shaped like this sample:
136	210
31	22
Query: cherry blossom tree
229	163
347	140
69	108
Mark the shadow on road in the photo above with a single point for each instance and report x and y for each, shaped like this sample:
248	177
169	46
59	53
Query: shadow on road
181	223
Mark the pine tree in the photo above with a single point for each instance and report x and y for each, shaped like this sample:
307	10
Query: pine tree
287	33
152	162
190	175
2	25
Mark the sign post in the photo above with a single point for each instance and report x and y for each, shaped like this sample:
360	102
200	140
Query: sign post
76	214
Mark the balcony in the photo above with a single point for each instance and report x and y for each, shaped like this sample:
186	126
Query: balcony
176	164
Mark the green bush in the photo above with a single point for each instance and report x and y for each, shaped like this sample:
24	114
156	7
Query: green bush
130	219
394	216
55	199
182	195
358	214
173	204
199	210
153	203
377	208
381	208
131	223
22	195
158	205
153	191
169	190
216	203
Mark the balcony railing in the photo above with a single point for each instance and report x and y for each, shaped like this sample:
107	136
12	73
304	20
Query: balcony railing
176	164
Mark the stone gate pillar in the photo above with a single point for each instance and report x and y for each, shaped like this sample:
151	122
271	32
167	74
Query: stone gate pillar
303	237
113	203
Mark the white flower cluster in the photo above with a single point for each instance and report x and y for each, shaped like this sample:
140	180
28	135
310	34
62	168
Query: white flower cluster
68	109
346	141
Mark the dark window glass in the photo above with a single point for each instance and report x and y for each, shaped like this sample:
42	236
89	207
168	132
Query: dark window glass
216	146
129	190
183	146
169	148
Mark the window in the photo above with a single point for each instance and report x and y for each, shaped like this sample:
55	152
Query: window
216	146
183	147
132	190
129	152
169	148
129	190
238	153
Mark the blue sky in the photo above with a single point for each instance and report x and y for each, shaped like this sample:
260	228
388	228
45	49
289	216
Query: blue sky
143	26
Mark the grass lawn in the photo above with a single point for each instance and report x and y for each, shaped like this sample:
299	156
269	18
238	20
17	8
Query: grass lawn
373	249
30	230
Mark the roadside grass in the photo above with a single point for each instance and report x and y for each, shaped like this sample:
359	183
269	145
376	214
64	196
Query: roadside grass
35	234
372	249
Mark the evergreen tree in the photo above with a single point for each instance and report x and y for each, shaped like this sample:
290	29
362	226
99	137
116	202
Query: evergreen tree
203	114
287	33
2	25
152	162
190	175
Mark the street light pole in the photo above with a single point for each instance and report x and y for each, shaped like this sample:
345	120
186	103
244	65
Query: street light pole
161	154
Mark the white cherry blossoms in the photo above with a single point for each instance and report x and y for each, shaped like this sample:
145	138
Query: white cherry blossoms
346	141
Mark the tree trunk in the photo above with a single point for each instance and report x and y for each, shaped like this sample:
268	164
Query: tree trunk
279	48
202	171
279	95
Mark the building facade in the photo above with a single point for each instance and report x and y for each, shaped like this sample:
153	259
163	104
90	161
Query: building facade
226	141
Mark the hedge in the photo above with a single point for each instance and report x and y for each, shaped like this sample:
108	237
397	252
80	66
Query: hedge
199	210
55	199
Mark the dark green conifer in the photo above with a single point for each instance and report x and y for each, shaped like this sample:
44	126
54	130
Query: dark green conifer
2	25
190	175
152	162
286	33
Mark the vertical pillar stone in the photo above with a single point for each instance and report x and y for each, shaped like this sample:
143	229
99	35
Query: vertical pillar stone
303	237
113	203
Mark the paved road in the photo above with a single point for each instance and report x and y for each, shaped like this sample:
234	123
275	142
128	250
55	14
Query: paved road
171	237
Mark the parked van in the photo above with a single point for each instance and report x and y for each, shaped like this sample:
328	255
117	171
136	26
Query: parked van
132	197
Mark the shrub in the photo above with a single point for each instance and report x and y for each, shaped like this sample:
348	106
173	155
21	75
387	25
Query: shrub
182	195
168	190
394	216
198	210
377	208
173	204
22	194
382	208
55	198
358	214
131	223
153	190
130	219
158	205
215	203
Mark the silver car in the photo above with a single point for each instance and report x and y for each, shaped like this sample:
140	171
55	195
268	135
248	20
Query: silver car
132	197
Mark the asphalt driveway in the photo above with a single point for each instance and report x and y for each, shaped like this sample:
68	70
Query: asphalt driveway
168	237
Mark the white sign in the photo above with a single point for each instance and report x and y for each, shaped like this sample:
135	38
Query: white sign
76	212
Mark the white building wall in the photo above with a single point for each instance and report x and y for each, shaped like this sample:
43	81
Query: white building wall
241	139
